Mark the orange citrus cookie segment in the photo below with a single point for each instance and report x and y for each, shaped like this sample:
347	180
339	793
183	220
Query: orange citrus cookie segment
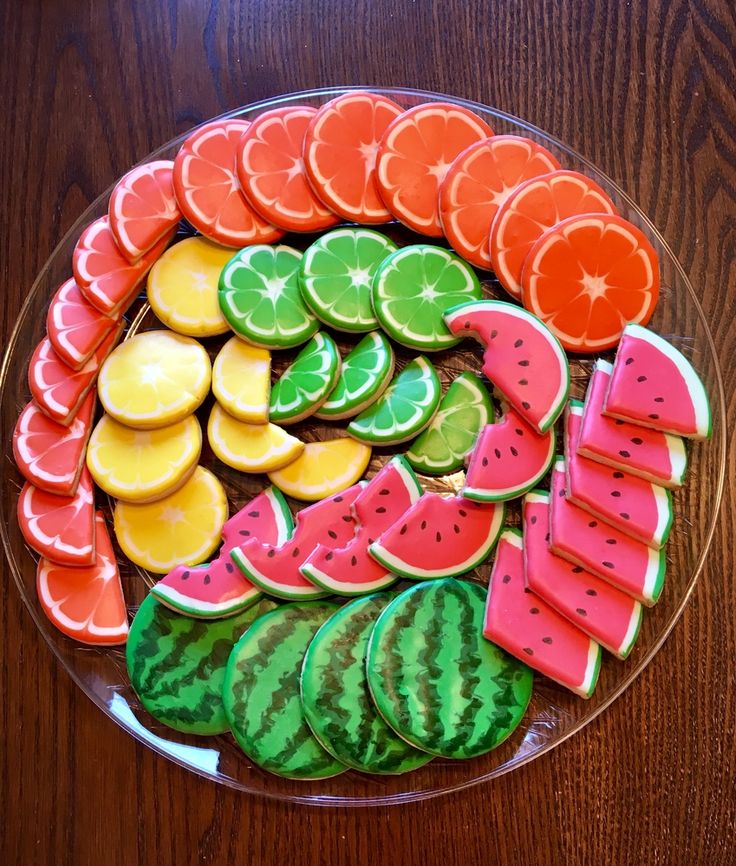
532	208
272	174
415	152
183	528
250	447
241	380
589	276
478	182
323	469
340	149
208	190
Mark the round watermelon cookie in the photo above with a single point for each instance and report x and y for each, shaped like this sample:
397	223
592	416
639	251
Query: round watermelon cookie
477	184
336	277
272	174
250	447
241	380
143	208
177	664
262	698
404	409
323	469
415	152
307	381
531	209
589	276
414	287
259	296
340	149
335	697
463	412
208	190
434	678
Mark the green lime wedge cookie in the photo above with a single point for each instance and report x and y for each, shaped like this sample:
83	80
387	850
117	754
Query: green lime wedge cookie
260	298
335	696
436	680
307	382
261	693
336	276
404	409
464	410
177	664
365	374
414	287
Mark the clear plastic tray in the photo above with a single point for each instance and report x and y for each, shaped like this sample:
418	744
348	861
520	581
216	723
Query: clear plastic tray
554	714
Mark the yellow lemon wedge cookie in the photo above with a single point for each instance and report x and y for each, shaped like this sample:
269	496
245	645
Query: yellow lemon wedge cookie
241	380
250	447
182	528
143	465
154	379
323	469
182	287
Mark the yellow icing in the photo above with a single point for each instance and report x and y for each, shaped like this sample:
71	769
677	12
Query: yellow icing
250	447
241	380
324	468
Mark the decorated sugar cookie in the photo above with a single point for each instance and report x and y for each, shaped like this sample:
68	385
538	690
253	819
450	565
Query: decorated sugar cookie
154	379
143	465
250	447
75	328
241	381
259	296
306	383
182	287
323	469
336	277
413	289
404	409
183	527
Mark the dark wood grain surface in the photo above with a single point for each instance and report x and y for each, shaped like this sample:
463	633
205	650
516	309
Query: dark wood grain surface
643	88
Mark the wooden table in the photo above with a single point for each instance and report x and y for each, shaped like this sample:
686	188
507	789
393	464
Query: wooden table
644	89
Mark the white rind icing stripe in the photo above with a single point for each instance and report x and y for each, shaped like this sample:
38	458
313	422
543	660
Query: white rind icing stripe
631	631
591	670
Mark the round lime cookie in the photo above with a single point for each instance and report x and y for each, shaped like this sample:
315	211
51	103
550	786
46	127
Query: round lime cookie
464	410
414	287
260	298
404	409
337	273
307	382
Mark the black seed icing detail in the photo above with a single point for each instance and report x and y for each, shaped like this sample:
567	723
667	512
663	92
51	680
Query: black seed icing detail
380	510
462	512
525	404
577	569
616	493
529	651
347	518
513	451
497	453
423	524
402	531
484	461
546	538
271	553
438	537
185	575
637	441
518	343
384	492
641	379
467	326
608	564
245	532
207	580
618	421
547	640
518	431
561	494
653	416
229	567
371	540
456	528
332	533
618	474
329	555
494	334
254	514
581	611
659	399
534	610
591	592
533	519
295	552
506	578
625	453
523	381
337	499
593	524
624	515
629	361
353	560
610	541
524	363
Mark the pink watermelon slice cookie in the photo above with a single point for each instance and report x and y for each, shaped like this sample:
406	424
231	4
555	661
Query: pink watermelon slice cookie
74	327
522	358
527	627
637	507
508	459
275	567
218	589
440	536
575	535
350	570
650	454
603	612
653	384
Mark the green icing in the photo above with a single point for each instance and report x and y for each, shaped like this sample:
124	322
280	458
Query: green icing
307	381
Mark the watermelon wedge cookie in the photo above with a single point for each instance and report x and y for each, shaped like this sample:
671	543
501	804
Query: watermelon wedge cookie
603	612
528	628
307	382
521	357
440	536
250	447
335	697
323	469
653	384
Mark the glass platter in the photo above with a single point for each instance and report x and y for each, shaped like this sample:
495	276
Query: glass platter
554	714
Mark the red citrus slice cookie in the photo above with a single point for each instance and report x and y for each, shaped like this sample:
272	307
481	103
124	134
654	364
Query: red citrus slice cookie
587	277
415	152
477	184
532	208
86	603
340	150
74	327
208	191
143	208
272	174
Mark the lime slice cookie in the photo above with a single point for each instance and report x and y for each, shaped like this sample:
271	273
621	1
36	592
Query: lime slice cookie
241	380
404	409
259	296
336	276
323	469
464	410
365	374
414	287
250	447
307	382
